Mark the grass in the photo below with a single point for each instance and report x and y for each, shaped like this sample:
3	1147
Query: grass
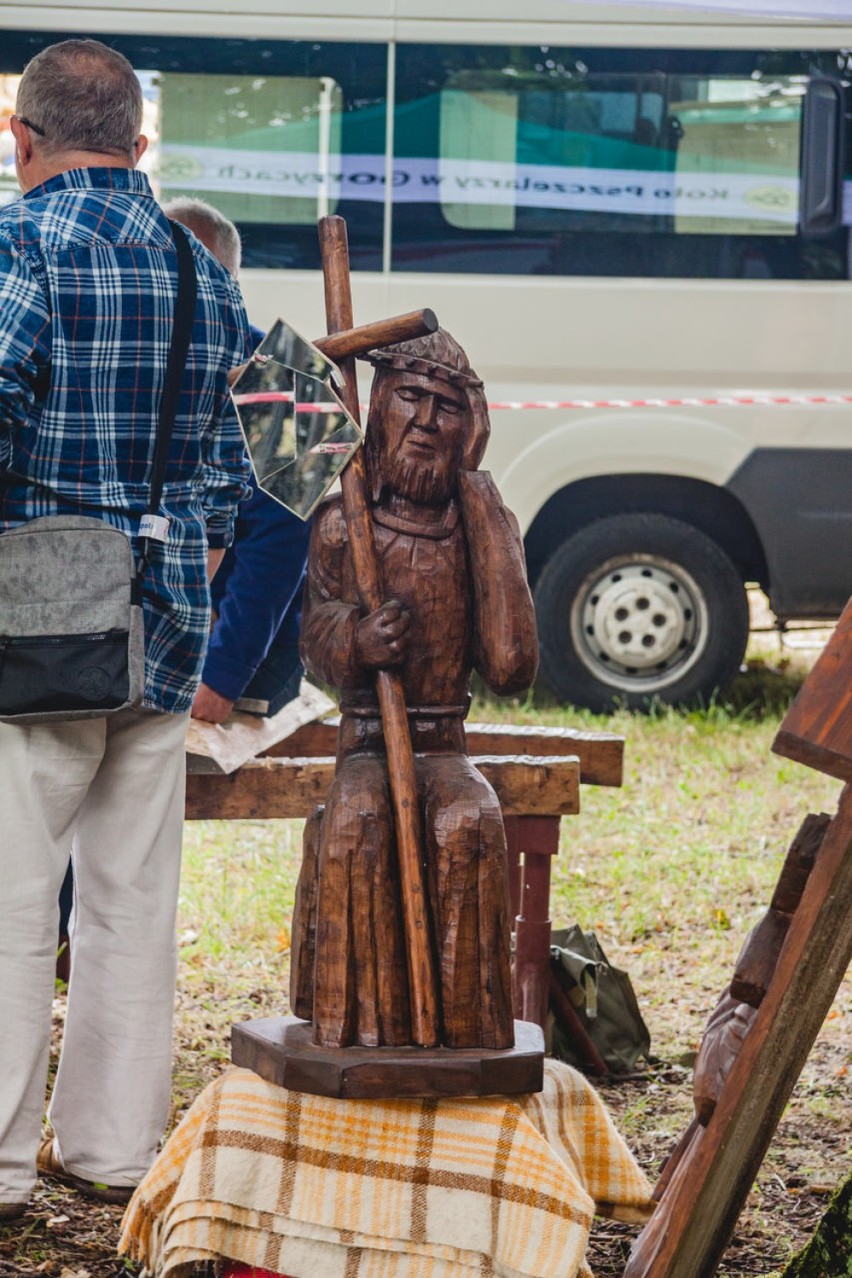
671	871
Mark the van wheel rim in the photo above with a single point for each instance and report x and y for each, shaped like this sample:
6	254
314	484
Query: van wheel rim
639	622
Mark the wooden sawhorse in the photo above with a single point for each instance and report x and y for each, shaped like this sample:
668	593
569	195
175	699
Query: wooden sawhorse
536	773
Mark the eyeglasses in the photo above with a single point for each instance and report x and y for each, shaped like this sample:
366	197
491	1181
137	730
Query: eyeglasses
35	128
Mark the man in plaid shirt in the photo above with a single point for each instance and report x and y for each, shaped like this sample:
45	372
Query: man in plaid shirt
88	279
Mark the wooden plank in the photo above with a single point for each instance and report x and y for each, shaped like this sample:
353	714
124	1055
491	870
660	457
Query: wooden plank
601	754
817	729
260	791
310	740
699	1208
273	788
529	785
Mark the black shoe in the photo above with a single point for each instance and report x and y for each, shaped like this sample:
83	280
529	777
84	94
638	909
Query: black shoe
11	1211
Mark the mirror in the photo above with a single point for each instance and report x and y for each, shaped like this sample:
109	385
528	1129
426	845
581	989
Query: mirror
298	433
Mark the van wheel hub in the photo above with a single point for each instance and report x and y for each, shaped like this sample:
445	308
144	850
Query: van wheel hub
639	617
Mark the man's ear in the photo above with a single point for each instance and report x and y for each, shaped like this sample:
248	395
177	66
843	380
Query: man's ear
23	141
140	146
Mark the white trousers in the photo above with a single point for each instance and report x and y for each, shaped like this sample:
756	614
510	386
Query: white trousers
112	792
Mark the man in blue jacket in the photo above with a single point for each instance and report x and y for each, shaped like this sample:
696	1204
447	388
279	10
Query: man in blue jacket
252	658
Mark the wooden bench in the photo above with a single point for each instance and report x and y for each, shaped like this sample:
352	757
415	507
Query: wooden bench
536	773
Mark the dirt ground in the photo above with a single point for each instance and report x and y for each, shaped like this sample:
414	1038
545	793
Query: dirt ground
805	1163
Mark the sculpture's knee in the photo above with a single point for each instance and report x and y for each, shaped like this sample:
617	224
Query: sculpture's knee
358	811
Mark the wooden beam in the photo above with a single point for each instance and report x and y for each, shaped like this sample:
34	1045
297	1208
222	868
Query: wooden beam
601	754
817	729
357	341
271	788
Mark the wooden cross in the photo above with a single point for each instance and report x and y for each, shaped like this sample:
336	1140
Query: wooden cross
425	1020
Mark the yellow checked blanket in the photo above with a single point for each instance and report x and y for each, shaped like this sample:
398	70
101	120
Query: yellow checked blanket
496	1187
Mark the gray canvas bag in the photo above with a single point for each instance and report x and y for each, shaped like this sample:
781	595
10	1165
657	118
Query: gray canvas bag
72	642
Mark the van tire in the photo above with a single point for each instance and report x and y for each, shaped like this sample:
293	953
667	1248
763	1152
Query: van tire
640	608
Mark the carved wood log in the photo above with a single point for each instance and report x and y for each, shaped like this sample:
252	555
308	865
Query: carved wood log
733	1015
759	954
723	1038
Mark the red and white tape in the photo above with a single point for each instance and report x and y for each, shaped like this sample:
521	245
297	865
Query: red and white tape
686	401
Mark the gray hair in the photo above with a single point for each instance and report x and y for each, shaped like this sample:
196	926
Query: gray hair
210	226
84	96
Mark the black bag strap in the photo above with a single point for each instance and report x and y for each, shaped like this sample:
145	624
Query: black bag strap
184	315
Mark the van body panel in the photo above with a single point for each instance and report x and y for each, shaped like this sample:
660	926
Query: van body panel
800	500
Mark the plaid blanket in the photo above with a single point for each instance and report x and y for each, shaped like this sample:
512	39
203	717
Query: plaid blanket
303	1185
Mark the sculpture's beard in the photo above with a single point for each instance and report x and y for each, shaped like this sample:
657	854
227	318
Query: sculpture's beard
426	485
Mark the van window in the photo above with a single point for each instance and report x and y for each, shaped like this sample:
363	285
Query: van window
274	133
266	148
604	162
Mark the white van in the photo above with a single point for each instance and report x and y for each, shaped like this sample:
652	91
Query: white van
605	206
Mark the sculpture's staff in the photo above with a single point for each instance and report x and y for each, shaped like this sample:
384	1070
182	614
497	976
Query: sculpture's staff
421	965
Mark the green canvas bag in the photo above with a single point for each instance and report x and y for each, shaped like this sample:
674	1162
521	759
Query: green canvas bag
605	1003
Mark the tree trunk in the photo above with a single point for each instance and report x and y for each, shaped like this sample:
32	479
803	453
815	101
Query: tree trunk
829	1252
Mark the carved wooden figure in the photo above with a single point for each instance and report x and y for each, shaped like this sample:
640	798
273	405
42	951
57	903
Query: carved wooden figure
760	1033
455	600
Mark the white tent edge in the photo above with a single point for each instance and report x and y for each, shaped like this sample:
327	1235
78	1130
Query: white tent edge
834	11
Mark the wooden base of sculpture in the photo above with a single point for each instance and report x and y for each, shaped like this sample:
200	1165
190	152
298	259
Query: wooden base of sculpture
280	1050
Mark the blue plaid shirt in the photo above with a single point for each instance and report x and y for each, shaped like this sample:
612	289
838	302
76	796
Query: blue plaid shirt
88	276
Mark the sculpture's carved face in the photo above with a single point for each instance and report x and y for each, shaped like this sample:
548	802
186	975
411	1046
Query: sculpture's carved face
423	425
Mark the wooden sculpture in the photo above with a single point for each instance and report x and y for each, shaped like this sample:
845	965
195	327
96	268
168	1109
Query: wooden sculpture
455	599
400	963
759	1035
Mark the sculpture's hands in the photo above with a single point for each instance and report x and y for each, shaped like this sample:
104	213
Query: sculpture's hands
477	438
505	642
381	638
